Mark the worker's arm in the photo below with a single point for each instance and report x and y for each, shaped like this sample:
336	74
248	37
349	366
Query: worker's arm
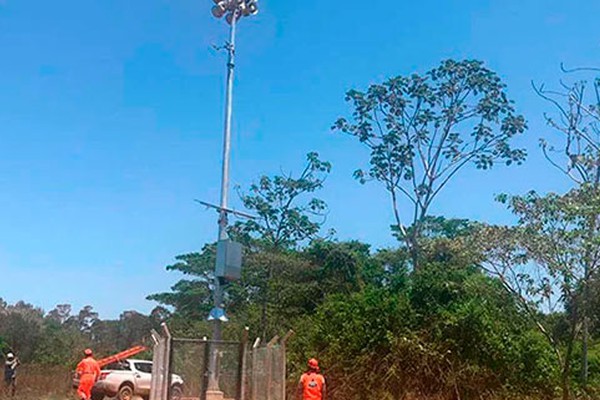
79	368
97	371
300	390
324	391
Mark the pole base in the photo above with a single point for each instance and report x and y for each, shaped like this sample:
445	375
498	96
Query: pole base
214	395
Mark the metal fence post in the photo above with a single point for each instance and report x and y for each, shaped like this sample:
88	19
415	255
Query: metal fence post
269	366
205	369
254	373
170	374
167	360
283	356
242	365
157	362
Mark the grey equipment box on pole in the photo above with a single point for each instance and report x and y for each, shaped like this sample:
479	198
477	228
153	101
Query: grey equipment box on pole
229	260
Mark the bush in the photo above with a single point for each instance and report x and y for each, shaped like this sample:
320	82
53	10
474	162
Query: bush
447	332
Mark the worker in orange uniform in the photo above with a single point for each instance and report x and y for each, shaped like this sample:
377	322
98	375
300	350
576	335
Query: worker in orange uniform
312	383
88	371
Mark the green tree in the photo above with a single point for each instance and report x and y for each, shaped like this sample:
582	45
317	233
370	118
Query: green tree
60	314
545	261
422	130
341	265
84	321
21	328
106	334
58	344
284	216
448	330
287	216
576	118
191	298
134	328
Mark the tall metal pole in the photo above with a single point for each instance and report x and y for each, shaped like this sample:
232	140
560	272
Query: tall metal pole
218	292
226	155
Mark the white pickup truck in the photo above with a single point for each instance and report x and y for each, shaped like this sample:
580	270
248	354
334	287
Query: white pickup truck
126	378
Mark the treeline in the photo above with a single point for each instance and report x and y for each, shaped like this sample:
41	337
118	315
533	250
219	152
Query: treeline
379	327
459	309
59	336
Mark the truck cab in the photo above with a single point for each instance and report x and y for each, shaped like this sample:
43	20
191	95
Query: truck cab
124	379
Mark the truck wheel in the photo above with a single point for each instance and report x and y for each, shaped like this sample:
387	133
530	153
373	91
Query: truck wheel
176	392
125	393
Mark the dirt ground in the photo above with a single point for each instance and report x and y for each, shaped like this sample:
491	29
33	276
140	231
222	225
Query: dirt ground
49	397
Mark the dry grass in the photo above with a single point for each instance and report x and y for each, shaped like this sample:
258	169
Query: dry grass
43	383
54	383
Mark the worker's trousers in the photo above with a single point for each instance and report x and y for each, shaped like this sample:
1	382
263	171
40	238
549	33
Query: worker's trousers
86	383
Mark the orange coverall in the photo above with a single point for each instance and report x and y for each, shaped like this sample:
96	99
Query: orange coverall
312	386
88	371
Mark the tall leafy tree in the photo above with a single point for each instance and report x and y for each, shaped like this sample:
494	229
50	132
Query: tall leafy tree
545	261
422	130
85	320
287	215
191	297
21	328
134	328
575	116
60	314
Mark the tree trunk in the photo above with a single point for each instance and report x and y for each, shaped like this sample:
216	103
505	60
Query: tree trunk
586	291
586	330
565	384
414	254
409	239
587	277
566	372
412	246
415	250
263	319
585	344
566	390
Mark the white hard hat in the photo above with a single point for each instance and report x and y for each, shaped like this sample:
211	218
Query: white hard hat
10	355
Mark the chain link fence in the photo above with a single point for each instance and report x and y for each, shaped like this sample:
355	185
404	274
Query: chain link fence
267	372
182	369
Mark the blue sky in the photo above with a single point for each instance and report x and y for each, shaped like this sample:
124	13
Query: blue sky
111	121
